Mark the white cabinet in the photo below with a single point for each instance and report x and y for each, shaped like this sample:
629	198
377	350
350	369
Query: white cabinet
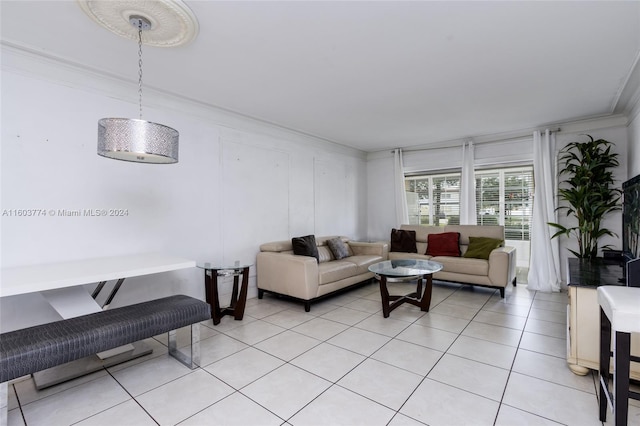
584	333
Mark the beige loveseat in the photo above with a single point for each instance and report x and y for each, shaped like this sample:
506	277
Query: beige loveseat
281	272
498	271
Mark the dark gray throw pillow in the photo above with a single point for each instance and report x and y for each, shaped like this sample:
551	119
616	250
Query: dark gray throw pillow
338	248
305	246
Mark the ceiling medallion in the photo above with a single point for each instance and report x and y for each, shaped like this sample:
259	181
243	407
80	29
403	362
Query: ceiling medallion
172	22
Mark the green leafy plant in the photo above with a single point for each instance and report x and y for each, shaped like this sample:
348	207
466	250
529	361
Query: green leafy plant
588	191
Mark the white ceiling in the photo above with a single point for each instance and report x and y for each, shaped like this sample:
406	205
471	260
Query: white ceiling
372	75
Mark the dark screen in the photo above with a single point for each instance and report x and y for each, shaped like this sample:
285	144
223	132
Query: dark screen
631	218
633	273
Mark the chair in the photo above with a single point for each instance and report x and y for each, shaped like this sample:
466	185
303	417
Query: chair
619	313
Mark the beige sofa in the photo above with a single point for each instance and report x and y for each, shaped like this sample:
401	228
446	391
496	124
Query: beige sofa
498	271
281	272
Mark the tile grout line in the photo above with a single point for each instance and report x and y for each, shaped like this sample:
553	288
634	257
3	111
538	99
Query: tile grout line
513	362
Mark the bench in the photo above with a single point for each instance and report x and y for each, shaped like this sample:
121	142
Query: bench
37	348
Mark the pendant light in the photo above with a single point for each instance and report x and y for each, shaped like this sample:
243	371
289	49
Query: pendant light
138	140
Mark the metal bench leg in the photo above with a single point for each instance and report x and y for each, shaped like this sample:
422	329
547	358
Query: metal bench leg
192	360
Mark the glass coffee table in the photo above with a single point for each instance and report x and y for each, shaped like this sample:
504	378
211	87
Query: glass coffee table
405	270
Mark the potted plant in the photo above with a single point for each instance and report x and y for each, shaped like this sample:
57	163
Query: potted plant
588	192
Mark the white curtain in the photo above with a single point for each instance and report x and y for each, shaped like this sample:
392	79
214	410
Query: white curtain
468	186
402	212
544	267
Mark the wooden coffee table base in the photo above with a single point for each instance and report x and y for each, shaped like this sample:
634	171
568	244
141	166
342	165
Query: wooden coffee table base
389	303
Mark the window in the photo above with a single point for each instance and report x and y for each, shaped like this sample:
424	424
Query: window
503	197
488	204
434	199
518	203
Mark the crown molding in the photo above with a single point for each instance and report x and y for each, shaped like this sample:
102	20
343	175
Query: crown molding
567	127
628	97
22	60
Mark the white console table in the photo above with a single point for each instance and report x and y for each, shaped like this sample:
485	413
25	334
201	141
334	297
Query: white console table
61	284
29	279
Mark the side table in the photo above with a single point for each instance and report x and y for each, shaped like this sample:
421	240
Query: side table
238	299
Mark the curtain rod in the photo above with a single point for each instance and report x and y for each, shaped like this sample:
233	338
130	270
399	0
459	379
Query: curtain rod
518	136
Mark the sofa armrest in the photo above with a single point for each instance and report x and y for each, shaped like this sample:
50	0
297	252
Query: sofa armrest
380	248
502	266
289	274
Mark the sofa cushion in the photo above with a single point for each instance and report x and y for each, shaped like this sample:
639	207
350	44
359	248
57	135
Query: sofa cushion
339	249
444	244
363	261
277	246
336	270
460	265
481	247
324	254
403	241
305	246
466	231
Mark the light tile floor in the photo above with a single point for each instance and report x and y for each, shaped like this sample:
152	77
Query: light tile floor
475	359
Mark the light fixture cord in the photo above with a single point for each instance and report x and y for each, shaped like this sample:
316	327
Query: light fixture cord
140	67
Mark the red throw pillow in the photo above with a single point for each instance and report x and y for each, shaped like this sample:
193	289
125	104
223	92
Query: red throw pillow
444	244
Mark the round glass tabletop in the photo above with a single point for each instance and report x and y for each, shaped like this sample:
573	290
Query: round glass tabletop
236	265
405	267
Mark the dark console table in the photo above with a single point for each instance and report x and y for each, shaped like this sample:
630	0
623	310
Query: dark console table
594	272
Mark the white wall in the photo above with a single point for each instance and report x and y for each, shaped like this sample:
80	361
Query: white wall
239	183
380	198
